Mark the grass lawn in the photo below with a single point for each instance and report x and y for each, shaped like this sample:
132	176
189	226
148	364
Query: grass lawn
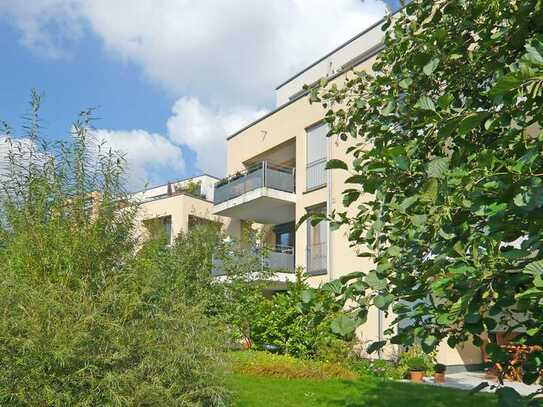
255	391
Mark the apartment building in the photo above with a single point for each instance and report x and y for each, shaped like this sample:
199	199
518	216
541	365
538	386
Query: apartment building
277	174
177	206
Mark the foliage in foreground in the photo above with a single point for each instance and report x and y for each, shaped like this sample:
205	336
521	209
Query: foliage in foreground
298	321
446	137
84	320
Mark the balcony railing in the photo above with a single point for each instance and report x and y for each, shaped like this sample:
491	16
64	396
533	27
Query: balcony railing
316	258
316	174
263	174
279	259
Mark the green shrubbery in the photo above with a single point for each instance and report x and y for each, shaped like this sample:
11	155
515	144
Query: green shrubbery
84	319
298	322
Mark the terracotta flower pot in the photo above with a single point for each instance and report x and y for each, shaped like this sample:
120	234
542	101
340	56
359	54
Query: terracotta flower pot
439	378
246	343
416	376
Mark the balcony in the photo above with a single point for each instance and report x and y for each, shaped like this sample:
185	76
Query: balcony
279	259
263	193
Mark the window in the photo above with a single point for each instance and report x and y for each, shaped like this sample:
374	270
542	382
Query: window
317	244
284	237
316	156
160	228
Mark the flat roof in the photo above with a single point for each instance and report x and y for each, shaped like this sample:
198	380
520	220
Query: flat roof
174	182
358	62
307	68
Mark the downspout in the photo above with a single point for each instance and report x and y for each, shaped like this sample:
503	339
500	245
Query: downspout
328	212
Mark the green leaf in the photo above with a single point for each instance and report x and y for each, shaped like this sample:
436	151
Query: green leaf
471	121
406	83
425	103
407	202
429	343
536	269
444	319
336	164
354	275
430	190
505	84
389	108
375	346
445	101
459	248
431	66
534	52
383	301
374	281
437	167
307	296
343	325
334	287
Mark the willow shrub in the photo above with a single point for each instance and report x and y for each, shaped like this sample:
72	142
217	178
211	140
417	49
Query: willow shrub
84	319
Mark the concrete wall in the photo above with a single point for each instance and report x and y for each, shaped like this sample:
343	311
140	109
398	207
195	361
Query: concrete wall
179	207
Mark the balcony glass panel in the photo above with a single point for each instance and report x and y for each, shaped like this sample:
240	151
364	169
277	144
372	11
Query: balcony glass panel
263	174
279	259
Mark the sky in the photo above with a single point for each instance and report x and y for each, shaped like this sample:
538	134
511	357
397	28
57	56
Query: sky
169	79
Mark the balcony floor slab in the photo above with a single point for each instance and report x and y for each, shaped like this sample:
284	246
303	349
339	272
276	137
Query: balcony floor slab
262	205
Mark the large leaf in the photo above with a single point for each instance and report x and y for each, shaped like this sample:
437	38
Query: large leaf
375	346
534	52
344	325
471	121
431	66
374	281
336	164
425	103
536	269
383	301
437	167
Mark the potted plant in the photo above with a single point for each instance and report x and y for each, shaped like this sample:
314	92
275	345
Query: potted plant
416	367
439	373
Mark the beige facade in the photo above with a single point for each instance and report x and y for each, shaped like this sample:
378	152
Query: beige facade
177	206
283	138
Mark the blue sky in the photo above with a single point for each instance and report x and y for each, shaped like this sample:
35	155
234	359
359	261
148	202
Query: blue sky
170	78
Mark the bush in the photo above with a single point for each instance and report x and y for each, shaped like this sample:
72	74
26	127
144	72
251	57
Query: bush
440	368
85	320
376	368
416	364
298	321
287	367
414	357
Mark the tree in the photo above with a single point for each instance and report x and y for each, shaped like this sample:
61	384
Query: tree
447	156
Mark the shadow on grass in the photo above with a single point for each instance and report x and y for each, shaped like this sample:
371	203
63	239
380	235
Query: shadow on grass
265	391
380	392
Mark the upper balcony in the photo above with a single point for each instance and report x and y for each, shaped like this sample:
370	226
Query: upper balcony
263	193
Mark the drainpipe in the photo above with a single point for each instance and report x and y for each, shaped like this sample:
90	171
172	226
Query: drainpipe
328	212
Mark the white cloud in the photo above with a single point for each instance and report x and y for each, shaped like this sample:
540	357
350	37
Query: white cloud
147	154
218	57
204	131
234	51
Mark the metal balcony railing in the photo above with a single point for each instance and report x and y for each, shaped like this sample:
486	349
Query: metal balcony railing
316	258
279	259
315	174
263	174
